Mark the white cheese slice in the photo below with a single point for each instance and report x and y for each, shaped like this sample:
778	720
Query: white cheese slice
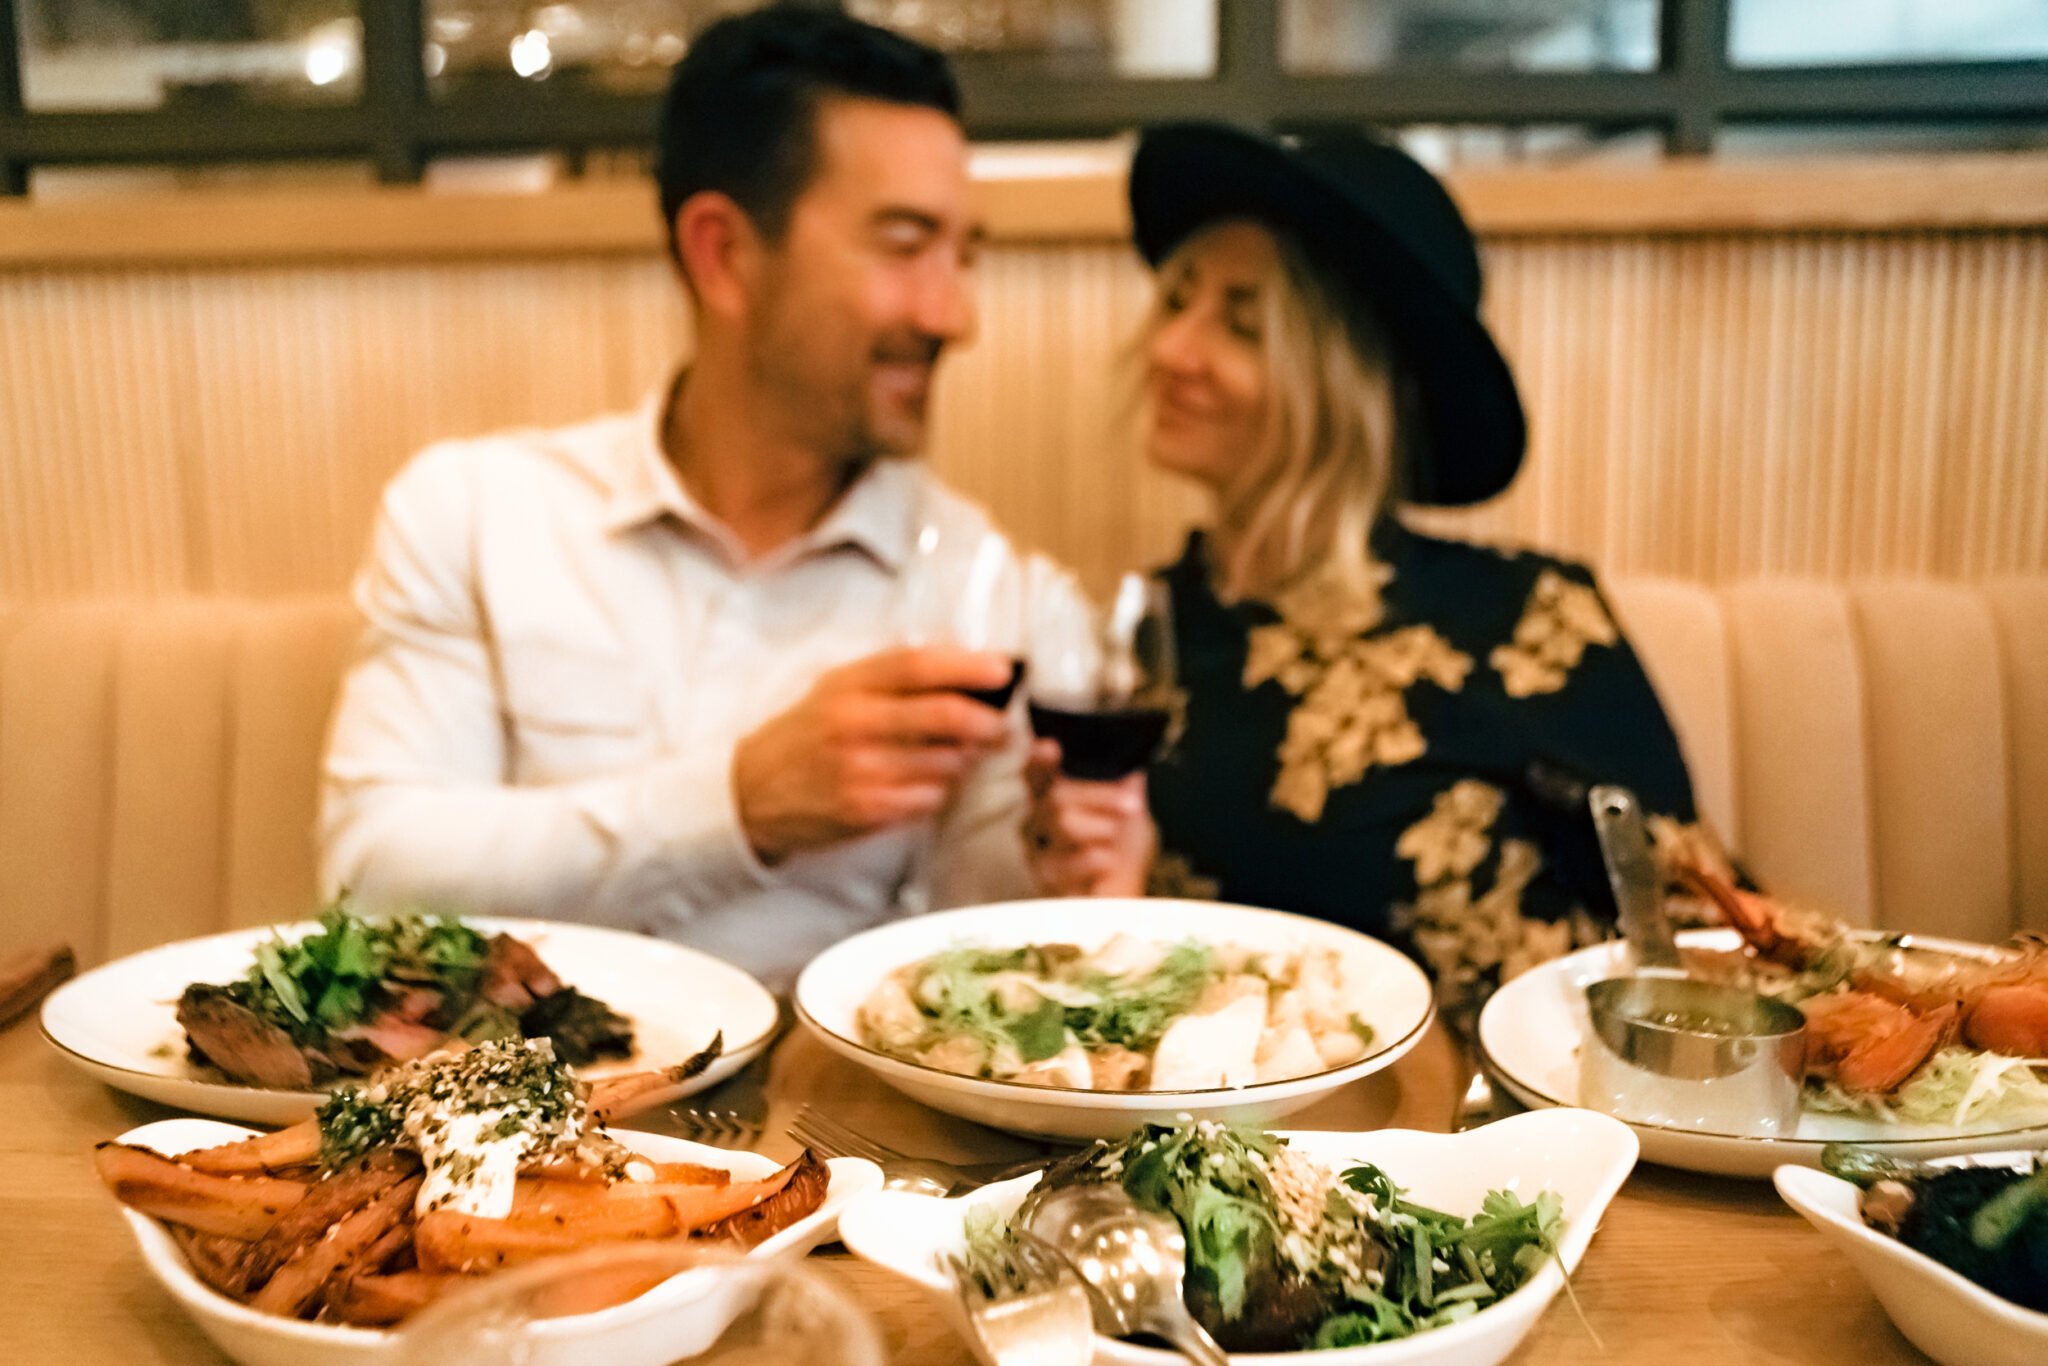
1290	1052
1217	1048
1128	956
1068	1067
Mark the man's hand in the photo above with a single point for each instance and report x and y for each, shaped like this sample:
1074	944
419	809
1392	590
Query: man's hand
1086	838
875	743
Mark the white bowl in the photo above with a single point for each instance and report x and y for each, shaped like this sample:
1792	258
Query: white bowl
1949	1317
1394	998
1582	1156
652	1330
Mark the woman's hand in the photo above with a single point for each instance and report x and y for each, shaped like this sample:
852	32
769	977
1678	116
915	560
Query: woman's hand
1085	838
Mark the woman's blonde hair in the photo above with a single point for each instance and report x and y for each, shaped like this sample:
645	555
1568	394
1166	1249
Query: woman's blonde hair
1303	506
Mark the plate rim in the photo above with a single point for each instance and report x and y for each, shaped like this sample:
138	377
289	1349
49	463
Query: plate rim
1090	1097
1523	1087
72	989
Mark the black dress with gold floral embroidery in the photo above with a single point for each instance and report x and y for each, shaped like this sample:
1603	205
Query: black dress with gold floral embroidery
1415	768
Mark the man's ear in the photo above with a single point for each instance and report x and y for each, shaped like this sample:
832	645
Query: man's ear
720	252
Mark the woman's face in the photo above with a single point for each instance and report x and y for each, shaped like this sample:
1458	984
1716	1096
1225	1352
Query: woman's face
1205	357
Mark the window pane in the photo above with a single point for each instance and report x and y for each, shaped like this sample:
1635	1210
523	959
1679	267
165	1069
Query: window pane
49	184
621	46
1762	140
1319	37
1833	32
143	54
1132	38
1447	147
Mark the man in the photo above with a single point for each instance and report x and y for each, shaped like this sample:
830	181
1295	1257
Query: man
638	671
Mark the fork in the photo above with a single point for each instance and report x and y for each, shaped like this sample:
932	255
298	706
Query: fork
717	1126
740	1122
1028	1307
902	1171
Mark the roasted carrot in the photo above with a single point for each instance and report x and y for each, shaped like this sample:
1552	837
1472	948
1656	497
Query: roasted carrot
244	1207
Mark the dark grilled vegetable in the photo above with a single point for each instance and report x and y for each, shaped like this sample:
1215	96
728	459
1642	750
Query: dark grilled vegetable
1989	1224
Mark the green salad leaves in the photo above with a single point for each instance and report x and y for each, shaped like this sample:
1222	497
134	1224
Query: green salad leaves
1444	1268
332	979
963	992
1284	1254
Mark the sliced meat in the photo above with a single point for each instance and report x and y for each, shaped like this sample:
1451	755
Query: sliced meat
240	1042
513	975
393	1037
417	1004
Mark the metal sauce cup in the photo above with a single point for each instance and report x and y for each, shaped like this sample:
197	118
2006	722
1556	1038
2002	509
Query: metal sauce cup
1667	1050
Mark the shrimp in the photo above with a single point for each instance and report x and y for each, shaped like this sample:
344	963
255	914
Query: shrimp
1891	1007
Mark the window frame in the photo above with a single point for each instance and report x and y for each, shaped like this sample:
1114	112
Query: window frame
398	126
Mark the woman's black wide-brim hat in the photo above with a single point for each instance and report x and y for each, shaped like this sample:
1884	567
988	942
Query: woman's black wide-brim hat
1373	218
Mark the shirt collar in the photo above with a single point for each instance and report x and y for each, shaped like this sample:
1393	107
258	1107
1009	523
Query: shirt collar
878	515
645	486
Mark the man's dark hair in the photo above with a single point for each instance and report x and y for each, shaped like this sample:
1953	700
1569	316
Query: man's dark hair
741	112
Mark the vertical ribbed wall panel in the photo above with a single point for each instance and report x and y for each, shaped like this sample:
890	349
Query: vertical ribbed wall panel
91	368
1704	407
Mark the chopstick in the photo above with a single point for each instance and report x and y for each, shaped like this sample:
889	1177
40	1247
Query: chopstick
27	977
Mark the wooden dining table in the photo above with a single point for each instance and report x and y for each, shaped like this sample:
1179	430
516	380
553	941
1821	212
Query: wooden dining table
1686	1268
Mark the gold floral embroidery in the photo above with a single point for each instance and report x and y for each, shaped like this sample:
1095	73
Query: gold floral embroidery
1352	714
1173	876
1559	621
1473	944
1451	840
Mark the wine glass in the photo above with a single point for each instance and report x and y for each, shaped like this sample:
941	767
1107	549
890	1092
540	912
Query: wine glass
1104	683
644	1304
963	586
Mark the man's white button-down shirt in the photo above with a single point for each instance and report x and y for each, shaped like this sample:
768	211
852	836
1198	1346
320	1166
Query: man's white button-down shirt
562	650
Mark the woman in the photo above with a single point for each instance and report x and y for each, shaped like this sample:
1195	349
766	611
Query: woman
1382	729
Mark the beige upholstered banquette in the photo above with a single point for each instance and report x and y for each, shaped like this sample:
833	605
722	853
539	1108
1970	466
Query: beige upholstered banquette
1880	748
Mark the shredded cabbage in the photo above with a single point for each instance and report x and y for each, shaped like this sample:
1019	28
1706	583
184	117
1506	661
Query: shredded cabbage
1956	1087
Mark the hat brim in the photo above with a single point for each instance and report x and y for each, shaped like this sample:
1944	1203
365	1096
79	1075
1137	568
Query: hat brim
1187	176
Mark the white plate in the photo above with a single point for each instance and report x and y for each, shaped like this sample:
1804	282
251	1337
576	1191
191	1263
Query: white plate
1952	1319
1582	1156
1393	997
119	1022
1534	1026
649	1331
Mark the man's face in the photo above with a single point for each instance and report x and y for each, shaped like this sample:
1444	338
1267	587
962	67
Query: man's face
870	281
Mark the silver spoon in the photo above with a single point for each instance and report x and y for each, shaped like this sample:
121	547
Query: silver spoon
1132	1259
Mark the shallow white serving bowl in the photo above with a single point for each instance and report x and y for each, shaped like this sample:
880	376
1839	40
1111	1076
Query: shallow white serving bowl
1582	1156
1952	1319
1393	997
657	1328
119	1023
1533	1028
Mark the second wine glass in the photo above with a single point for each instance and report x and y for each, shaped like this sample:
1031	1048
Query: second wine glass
1103	684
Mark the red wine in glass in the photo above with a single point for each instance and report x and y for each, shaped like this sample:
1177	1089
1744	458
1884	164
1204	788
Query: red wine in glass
999	698
1105	744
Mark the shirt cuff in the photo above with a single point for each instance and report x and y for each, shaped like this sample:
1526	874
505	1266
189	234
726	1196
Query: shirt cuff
689	822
